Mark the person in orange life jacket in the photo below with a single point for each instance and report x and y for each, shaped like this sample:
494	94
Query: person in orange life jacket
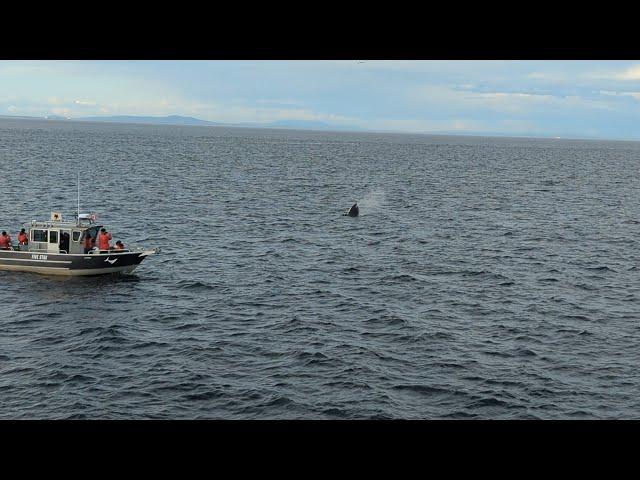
5	241
23	238
103	239
119	245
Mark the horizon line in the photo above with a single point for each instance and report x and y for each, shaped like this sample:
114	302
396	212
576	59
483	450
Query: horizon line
266	125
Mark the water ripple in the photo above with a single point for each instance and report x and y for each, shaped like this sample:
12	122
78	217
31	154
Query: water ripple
485	278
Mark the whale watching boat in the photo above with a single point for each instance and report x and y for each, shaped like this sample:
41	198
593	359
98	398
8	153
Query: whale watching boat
57	248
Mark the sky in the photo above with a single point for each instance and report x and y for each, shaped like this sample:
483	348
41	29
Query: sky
576	99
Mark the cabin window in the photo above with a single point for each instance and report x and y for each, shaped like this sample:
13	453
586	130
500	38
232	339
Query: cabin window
76	236
53	238
39	235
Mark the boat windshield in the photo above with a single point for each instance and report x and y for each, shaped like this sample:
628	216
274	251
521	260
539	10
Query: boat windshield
93	231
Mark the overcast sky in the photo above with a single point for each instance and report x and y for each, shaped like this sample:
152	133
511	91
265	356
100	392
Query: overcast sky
536	98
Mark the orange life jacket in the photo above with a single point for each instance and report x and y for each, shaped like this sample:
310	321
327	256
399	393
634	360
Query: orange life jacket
23	239
103	241
5	241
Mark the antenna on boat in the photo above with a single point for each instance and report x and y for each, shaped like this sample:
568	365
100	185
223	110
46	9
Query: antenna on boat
78	214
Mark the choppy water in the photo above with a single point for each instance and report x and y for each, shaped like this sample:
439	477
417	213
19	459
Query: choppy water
485	278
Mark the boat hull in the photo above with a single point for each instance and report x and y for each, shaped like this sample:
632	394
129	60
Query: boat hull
71	264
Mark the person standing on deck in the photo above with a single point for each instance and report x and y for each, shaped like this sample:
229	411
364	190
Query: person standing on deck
5	241
89	243
64	242
23	238
103	239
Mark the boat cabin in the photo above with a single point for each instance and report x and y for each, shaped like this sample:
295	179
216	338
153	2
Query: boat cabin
56	236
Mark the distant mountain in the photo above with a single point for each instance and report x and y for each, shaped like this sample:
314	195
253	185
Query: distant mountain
168	120
20	117
180	120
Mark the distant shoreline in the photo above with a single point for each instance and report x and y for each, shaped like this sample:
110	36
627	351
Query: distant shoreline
178	121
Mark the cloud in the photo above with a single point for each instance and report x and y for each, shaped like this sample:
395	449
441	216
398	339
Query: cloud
473	101
611	93
234	113
65	112
12	108
280	102
631	73
413	66
85	103
548	77
24	69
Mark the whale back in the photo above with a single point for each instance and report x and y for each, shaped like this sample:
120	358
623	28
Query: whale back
354	211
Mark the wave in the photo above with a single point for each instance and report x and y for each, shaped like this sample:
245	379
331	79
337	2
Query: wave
426	389
600	269
193	285
489	402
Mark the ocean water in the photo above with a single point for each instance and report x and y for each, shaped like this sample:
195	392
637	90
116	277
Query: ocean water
485	277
